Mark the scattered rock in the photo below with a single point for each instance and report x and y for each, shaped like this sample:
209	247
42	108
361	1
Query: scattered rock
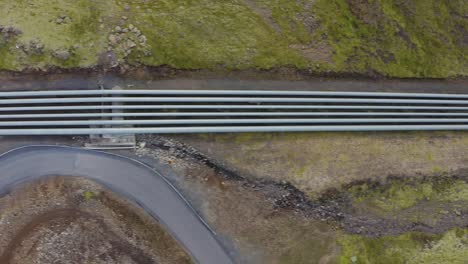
130	44
124	18
142	144
126	39
9	32
113	39
63	19
142	39
36	47
62	54
127	8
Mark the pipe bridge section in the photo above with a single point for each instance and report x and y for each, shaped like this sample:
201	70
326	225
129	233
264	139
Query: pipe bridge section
212	111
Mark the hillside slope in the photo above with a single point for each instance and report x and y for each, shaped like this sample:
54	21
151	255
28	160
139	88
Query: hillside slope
395	38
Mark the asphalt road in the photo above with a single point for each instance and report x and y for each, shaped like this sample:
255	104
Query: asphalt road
130	178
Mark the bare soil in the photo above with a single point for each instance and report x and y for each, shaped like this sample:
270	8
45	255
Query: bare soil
74	220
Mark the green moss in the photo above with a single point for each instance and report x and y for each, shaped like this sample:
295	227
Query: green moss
80	36
410	248
7	60
454	193
395	38
88	195
206	34
305	250
399	194
289	17
416	38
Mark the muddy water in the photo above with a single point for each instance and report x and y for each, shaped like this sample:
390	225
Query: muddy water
151	80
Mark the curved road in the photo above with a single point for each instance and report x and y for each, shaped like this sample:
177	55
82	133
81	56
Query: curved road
131	178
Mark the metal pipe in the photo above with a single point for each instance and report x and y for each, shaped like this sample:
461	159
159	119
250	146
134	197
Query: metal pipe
226	99
226	129
405	116
138	107
194	114
229	121
227	92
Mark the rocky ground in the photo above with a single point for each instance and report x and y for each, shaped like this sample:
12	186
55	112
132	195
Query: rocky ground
74	220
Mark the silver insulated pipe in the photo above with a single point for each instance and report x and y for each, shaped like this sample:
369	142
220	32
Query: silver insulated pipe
218	111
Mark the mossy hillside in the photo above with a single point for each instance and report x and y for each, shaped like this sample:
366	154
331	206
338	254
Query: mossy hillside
290	18
395	38
81	36
410	248
417	38
207	34
181	34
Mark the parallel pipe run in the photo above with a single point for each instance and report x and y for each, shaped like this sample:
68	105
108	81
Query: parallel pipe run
225	129
217	111
230	107
226	114
228	92
231	121
225	100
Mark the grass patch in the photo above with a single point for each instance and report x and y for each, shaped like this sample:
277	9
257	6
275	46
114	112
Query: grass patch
80	36
401	39
410	248
88	195
207	34
415	38
400	194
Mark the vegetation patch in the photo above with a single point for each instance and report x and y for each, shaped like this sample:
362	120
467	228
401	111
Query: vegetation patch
394	37
399	194
410	248
416	38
